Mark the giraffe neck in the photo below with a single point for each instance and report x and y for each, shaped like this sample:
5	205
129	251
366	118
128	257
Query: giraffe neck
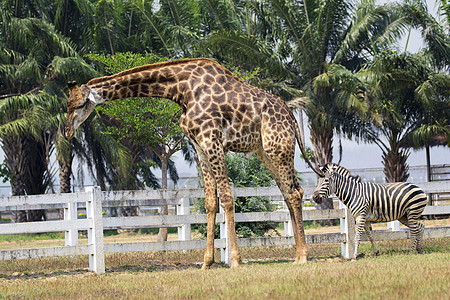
164	81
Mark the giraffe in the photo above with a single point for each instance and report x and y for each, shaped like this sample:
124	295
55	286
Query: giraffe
220	113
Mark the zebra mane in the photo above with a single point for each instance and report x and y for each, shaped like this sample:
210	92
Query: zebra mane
335	168
332	168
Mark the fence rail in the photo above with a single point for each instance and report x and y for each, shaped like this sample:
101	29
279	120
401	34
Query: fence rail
94	200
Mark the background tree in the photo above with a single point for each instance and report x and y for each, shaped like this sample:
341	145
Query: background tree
27	47
407	95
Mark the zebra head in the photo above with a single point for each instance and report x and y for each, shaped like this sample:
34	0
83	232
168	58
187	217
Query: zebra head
322	190
325	184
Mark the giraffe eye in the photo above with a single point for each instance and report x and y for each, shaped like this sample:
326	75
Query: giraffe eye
82	105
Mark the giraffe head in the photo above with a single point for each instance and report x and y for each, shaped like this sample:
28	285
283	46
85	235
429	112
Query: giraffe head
81	102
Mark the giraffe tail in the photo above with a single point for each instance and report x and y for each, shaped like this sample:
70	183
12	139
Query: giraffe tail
302	148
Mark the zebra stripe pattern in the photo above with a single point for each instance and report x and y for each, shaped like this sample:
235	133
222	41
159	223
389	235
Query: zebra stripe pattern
371	202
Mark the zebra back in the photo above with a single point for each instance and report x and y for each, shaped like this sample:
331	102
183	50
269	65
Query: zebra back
381	202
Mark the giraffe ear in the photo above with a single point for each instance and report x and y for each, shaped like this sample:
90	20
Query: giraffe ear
71	84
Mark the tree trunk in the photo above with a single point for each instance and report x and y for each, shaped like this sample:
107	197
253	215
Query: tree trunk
395	166
36	180
26	163
128	184
15	161
65	173
323	153
162	234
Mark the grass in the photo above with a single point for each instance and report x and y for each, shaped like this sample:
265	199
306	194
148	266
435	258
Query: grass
266	272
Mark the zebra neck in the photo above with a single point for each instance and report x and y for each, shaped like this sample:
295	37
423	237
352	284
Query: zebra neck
346	189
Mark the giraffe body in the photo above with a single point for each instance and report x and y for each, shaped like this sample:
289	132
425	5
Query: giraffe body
220	113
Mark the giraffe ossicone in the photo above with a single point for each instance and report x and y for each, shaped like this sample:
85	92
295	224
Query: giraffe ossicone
220	113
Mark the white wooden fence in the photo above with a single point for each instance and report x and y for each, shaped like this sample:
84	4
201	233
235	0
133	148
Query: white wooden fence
94	200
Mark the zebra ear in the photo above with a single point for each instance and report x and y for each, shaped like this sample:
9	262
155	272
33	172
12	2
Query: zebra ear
323	170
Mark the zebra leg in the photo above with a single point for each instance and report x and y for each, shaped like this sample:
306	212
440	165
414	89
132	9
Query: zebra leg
416	230
368	229
360	220
419	237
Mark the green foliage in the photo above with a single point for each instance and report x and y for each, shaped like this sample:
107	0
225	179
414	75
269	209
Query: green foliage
4	172
112	64
32	236
144	121
243	172
247	76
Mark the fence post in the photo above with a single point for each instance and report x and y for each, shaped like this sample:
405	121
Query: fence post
347	228
394	225
225	253
95	231
184	208
71	234
288	229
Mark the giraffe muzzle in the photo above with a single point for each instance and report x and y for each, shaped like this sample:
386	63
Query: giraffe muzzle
69	132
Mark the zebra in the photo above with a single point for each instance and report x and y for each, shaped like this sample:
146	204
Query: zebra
374	202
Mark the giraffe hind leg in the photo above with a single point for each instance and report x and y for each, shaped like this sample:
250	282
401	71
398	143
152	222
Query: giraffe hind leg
284	174
211	205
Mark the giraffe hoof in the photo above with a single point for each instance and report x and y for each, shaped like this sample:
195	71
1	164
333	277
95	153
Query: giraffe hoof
235	264
205	267
300	261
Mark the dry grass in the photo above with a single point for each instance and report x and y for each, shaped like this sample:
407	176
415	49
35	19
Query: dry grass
267	272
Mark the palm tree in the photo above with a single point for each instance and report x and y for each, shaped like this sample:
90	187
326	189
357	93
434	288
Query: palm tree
35	57
27	47
26	146
412	101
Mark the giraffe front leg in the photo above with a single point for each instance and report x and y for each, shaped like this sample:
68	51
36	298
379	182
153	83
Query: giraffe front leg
216	162
368	228
360	220
211	210
295	200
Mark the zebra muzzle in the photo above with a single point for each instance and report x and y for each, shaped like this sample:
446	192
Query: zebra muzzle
316	197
